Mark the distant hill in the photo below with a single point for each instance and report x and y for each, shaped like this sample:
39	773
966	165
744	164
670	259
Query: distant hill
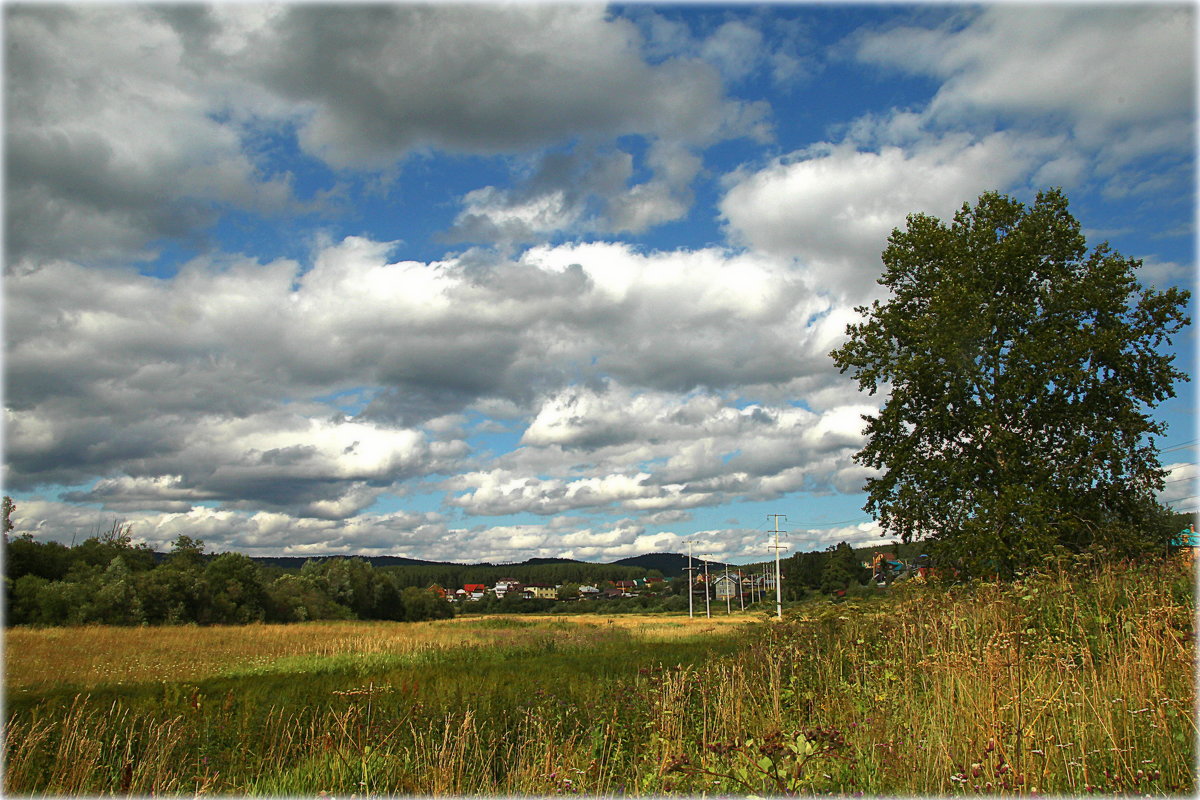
296	562
671	565
907	551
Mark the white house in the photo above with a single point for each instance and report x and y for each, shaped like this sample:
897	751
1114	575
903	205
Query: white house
506	585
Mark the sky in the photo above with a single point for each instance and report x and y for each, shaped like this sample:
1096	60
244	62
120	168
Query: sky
490	282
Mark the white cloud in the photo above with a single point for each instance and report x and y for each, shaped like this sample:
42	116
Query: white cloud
225	384
1154	272
863	534
656	452
832	206
256	533
1120	75
126	125
585	191
740	47
111	140
496	493
735	47
1181	483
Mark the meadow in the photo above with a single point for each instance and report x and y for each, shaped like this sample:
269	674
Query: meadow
1076	681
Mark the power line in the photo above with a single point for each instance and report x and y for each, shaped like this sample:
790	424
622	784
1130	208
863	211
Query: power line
831	524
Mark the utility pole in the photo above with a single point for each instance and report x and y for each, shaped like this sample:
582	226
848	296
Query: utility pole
741	583
778	577
691	577
707	607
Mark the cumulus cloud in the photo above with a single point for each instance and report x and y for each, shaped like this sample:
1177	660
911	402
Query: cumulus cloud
647	451
111	141
742	45
832	206
1106	68
225	383
1124	78
478	79
423	535
127	125
1118	81
312	467
863	534
413	534
561	193
584	191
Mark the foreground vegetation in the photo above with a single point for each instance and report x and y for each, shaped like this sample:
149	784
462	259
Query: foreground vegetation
1079	680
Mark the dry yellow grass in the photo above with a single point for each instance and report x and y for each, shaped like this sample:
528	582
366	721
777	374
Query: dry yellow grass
653	627
91	655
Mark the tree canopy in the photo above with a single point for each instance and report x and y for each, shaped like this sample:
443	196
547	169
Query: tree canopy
1021	370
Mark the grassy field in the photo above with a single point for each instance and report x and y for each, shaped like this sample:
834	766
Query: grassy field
1081	681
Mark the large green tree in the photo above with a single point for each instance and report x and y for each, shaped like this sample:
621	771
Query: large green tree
1021	370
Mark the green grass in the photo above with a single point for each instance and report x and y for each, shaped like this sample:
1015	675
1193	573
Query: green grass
1070	683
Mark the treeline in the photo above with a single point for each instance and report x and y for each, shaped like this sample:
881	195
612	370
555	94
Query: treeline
108	579
819	572
823	572
453	576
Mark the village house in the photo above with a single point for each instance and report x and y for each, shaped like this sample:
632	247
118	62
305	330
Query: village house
726	586
506	585
540	591
879	561
474	591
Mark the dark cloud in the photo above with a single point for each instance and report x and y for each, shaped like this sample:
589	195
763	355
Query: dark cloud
111	141
478	78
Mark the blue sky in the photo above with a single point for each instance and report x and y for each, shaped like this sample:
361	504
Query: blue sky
489	282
